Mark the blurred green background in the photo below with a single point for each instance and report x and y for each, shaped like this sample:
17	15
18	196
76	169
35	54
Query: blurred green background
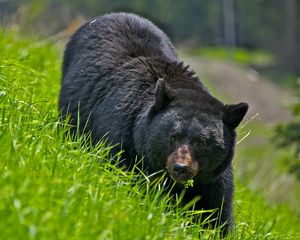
258	25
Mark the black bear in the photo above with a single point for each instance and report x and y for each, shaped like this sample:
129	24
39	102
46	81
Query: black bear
121	75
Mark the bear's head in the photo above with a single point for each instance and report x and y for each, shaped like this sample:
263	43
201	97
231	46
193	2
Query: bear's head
190	133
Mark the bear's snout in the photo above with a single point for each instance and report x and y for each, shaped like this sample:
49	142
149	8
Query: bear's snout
181	166
180	171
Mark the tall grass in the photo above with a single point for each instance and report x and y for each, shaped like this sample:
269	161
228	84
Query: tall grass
53	186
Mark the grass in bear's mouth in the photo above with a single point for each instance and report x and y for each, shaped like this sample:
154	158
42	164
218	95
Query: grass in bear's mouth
189	183
53	187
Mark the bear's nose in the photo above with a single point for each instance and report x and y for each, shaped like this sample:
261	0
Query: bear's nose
180	170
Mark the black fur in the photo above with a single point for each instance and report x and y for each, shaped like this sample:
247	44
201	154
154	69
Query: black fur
122	75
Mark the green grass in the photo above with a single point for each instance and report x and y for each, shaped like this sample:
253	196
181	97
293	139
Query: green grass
55	187
239	55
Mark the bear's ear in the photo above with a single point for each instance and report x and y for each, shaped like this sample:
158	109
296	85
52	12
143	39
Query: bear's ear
162	95
234	114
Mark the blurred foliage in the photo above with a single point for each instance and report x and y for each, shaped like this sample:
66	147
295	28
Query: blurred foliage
240	55
267	24
288	134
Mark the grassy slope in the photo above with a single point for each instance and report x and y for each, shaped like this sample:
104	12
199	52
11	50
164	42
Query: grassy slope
52	187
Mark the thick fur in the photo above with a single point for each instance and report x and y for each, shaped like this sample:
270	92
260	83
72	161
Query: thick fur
121	75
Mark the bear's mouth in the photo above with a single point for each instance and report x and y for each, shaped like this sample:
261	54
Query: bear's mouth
180	174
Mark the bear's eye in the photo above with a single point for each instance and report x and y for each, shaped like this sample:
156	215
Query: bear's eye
198	143
174	138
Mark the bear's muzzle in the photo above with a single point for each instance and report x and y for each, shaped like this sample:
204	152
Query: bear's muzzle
180	164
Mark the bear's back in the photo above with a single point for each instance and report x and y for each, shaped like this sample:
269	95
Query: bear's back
109	41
